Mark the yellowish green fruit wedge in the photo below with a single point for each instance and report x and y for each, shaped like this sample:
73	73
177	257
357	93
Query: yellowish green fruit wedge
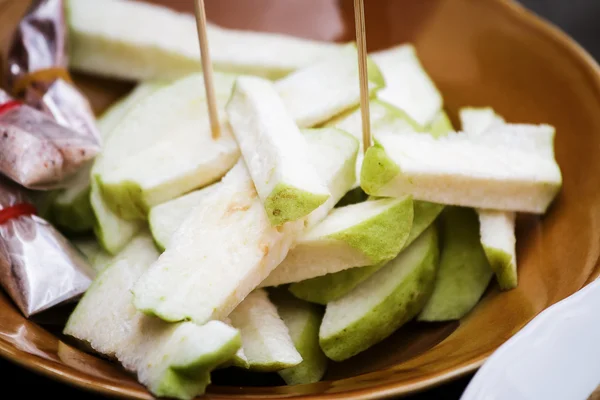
95	254
497	228
477	120
239	360
459	170
497	232
333	150
134	40
329	149
536	139
408	86
194	279
330	287
112	231
327	288
464	271
164	148
227	246
118	110
165	218
484	125
384	118
441	125
269	55
274	151
352	236
71	210
319	92
303	321
425	214
387	119
172	360
378	306
266	340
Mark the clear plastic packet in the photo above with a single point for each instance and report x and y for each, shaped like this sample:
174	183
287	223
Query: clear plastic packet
37	69
36	151
39	268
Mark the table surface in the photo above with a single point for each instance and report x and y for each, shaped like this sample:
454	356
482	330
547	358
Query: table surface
576	17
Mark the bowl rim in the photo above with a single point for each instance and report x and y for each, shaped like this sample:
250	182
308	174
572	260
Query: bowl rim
75	378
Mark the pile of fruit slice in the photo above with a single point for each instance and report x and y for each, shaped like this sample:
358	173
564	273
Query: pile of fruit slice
279	245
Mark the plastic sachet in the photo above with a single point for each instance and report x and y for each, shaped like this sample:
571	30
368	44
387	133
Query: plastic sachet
39	268
36	151
36	73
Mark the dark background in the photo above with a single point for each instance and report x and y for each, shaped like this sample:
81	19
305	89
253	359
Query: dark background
579	18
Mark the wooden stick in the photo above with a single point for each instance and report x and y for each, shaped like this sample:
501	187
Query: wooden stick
361	42
207	69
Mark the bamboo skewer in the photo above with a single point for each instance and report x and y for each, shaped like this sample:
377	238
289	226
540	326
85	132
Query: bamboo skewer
207	69
359	15
361	42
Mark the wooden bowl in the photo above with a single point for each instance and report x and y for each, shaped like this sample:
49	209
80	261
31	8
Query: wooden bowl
480	53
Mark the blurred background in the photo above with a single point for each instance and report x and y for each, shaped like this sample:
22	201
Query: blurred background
579	18
576	17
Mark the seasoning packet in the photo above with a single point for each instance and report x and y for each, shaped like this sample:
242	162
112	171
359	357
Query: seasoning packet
37	69
39	268
37	152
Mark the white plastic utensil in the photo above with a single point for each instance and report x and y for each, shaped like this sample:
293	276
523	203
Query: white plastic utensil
554	357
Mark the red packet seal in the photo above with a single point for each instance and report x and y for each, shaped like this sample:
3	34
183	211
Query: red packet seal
39	267
16	211
35	150
9	105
